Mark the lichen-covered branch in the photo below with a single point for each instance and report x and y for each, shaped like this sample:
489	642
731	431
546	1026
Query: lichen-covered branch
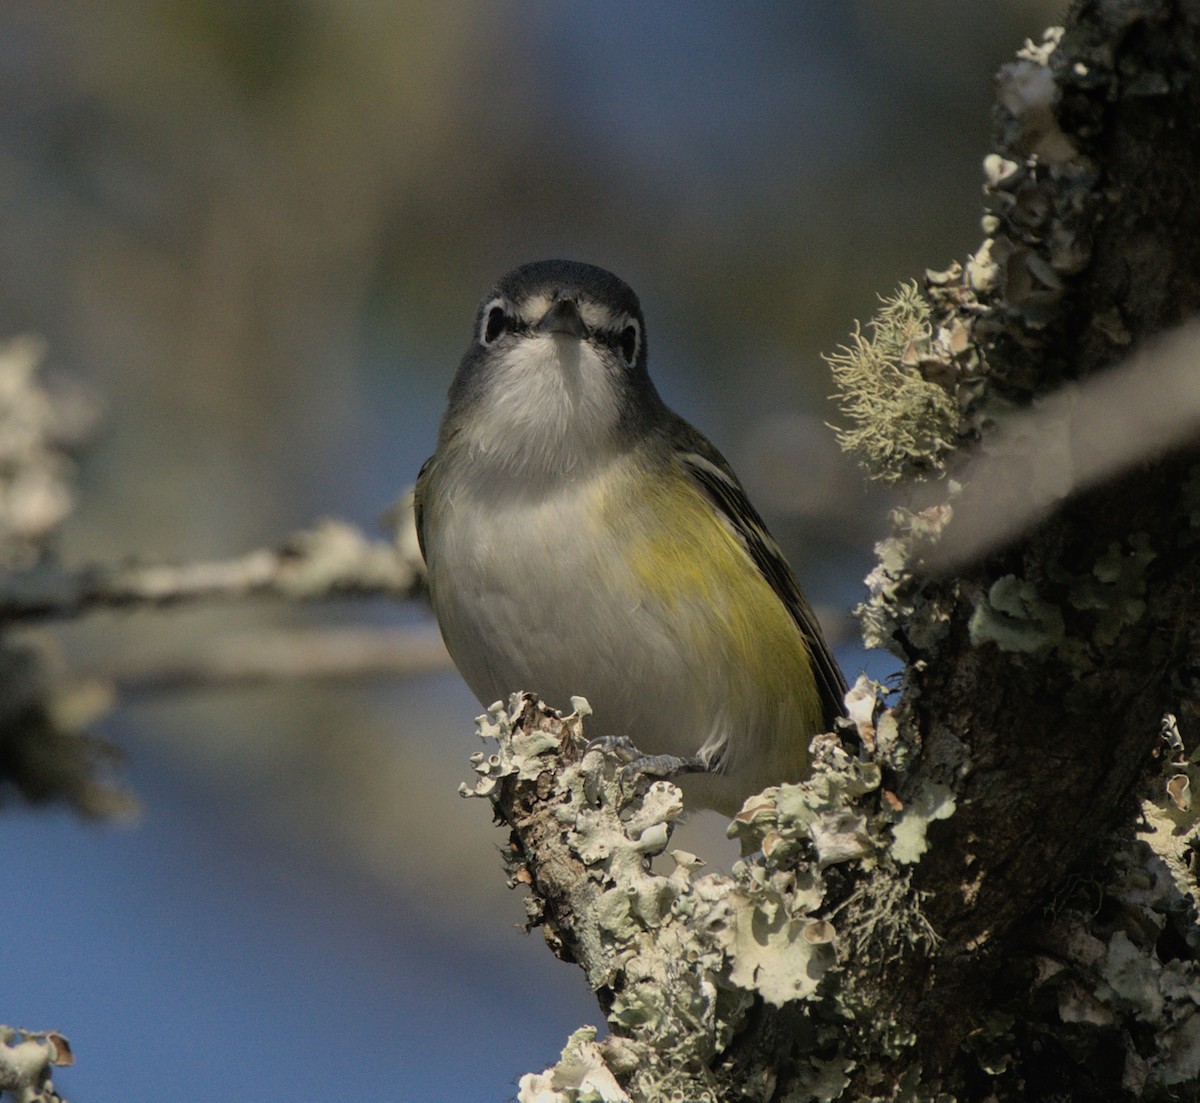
27	1061
46	751
700	975
987	891
334	559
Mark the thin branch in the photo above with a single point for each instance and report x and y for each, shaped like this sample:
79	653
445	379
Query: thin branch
258	658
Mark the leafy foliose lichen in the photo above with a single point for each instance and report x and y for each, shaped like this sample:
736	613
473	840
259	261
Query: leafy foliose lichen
1015	617
685	956
900	424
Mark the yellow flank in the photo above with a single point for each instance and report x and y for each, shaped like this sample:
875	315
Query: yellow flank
685	557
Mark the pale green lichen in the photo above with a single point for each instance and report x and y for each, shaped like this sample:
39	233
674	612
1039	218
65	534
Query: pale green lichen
933	802
911	1088
1171	826
684	954
897	597
780	955
27	1060
1015	617
888	923
667	1003
520	750
817	815
1108	971
580	1076
901	425
1115	590
823	1082
1163	995
878	730
1132	977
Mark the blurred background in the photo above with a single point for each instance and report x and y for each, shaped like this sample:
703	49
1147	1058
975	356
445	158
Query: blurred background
258	230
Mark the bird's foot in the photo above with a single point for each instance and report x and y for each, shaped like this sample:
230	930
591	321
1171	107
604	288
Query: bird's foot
637	764
668	766
620	746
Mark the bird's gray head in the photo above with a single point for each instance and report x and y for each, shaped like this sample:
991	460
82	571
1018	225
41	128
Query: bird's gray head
556	371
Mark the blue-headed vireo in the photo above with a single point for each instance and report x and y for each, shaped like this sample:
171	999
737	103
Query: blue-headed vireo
583	539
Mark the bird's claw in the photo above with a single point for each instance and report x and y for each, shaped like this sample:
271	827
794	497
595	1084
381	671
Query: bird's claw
621	746
667	766
637	765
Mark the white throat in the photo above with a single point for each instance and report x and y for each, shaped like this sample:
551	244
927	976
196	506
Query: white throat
549	411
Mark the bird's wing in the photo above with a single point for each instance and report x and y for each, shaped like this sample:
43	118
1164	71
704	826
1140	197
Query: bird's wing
419	492
707	468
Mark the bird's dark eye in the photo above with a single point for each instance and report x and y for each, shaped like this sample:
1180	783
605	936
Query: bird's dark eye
495	323
627	342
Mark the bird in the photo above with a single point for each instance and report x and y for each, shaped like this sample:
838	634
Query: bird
583	539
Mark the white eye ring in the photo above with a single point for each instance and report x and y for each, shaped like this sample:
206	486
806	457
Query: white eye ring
629	342
495	323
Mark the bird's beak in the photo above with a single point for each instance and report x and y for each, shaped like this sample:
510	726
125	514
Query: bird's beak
562	317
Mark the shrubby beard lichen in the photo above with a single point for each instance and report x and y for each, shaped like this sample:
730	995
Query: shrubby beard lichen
901	423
